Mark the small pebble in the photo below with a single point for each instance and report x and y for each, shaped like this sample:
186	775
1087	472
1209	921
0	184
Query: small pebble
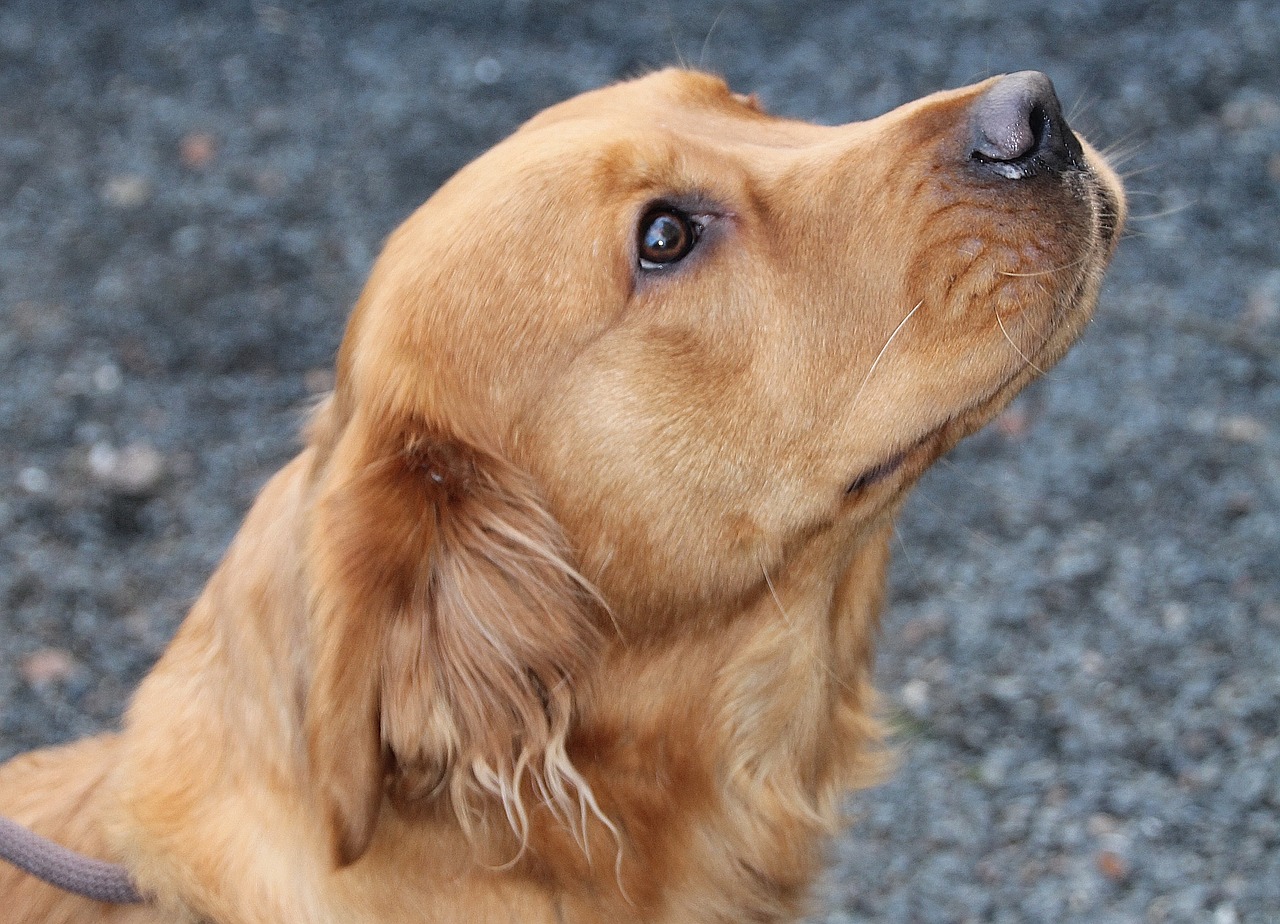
1242	428
133	471
488	71
1112	865
34	480
107	377
126	191
46	666
197	150
1014	422
915	696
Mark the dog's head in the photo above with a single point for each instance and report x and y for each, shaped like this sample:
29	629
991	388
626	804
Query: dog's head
653	344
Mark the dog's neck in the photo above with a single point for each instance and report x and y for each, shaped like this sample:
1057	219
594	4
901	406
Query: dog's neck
758	725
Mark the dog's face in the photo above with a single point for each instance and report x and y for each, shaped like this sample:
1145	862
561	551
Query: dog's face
662	343
710	333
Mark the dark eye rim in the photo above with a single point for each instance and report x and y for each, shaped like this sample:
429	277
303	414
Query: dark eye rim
693	225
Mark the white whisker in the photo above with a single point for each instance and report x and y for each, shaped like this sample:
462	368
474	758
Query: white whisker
1172	210
1017	349
706	42
879	356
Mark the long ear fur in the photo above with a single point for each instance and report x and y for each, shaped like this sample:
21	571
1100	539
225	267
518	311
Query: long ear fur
448	628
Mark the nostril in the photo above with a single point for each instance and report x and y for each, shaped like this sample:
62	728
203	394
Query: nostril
1040	125
1018	129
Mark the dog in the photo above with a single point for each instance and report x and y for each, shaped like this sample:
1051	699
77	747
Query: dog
566	610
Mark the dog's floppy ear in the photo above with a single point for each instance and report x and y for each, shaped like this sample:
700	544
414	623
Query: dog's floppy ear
447	629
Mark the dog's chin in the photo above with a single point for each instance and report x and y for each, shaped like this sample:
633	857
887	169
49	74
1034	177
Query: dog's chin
901	467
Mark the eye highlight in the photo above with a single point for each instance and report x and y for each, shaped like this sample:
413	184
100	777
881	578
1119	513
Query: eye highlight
665	236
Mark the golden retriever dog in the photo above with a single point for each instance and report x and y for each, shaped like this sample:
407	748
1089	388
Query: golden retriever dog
566	610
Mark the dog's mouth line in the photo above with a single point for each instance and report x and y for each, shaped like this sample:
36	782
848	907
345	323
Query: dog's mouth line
885	469
878	473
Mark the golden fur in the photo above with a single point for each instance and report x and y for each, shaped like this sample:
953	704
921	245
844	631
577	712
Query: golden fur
566	611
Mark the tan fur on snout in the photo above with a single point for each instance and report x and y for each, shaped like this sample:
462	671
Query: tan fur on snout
566	611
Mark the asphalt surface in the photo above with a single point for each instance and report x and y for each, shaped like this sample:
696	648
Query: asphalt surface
1082	656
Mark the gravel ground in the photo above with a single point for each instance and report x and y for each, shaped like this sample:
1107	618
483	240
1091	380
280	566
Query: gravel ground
1083	651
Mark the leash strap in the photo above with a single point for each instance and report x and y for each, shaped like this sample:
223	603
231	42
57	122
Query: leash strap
65	869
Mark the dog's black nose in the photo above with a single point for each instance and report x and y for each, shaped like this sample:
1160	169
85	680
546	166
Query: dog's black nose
1018	129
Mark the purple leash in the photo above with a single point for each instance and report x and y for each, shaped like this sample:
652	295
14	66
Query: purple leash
65	869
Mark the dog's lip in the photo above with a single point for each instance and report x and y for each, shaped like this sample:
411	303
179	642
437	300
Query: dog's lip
881	471
877	473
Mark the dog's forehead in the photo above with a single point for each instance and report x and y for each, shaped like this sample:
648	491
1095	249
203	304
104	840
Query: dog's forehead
651	130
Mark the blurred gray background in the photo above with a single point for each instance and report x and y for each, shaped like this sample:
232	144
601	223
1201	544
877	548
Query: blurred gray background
1082	656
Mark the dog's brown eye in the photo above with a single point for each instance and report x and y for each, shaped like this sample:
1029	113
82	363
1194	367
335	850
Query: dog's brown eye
666	235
